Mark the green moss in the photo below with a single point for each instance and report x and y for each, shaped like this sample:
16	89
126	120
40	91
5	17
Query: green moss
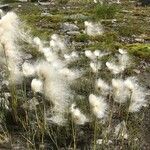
140	50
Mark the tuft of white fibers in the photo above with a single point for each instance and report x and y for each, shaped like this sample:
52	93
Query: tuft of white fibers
1	13
55	87
38	43
57	43
100	141
57	119
131	83
98	1
121	130
100	54
93	29
90	55
97	53
115	69
37	85
49	55
74	54
58	64
118	2
96	66
99	106
67	57
10	33
103	86
124	61
137	94
120	92
28	69
69	74
122	51
71	57
77	116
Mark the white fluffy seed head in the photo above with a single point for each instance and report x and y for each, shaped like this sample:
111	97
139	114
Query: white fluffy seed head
93	29
137	94
10	33
103	86
78	117
69	74
115	69
74	54
58	44
99	106
90	55
37	85
55	37
121	131
57	119
131	83
56	87
97	53
28	69
71	57
1	13
67	57
95	66
120	92
124	61
49	55
37	41
122	51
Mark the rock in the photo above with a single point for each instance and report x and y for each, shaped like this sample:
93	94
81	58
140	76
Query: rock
69	27
136	71
145	2
46	14
44	3
73	32
19	6
140	40
77	17
23	0
5	7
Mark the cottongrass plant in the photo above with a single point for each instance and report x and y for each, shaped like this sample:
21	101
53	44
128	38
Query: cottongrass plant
93	29
98	105
10	33
50	101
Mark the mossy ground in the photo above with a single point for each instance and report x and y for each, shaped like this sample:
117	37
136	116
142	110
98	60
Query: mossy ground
131	21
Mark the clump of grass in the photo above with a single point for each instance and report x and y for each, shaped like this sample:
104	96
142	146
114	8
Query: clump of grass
81	38
62	1
104	11
8	1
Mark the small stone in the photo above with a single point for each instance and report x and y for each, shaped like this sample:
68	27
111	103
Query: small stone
23	0
46	14
44	3
99	141
136	71
69	27
141	40
19	6
5	7
73	32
